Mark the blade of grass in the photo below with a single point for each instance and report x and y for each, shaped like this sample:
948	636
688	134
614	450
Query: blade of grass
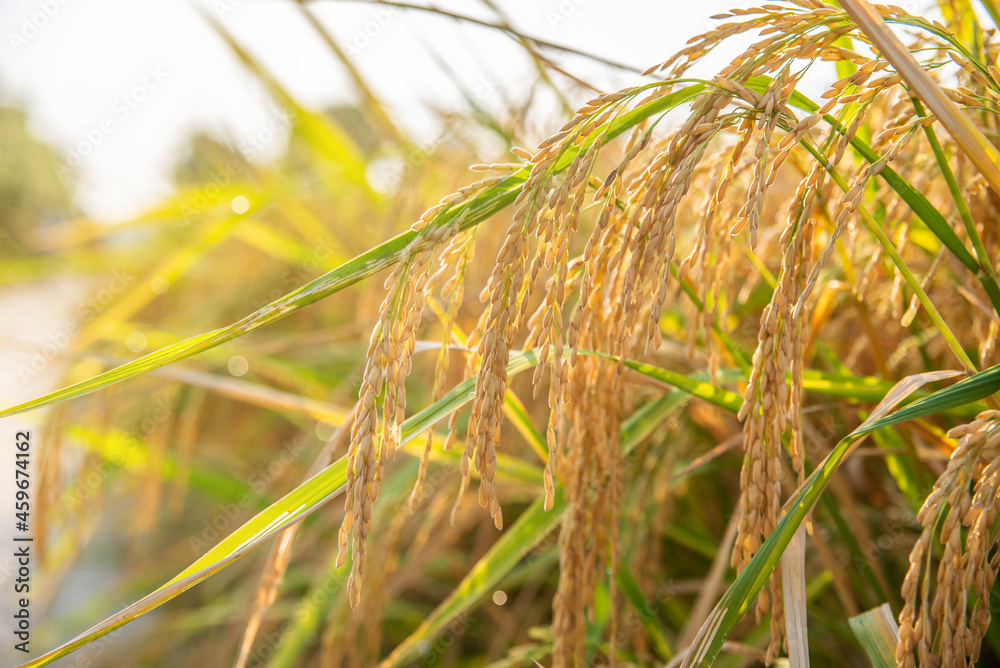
878	633
702	390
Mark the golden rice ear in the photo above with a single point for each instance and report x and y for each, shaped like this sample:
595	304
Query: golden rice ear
942	630
968	137
375	437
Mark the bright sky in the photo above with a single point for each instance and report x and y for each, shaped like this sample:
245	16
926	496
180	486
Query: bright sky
127	82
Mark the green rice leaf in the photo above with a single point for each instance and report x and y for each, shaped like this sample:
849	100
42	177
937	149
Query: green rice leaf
877	631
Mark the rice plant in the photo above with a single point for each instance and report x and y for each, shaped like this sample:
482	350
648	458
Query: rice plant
722	287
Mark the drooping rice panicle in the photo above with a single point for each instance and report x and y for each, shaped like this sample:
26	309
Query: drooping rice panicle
944	629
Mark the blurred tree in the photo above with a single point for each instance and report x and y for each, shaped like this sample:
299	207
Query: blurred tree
34	191
205	157
356	123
